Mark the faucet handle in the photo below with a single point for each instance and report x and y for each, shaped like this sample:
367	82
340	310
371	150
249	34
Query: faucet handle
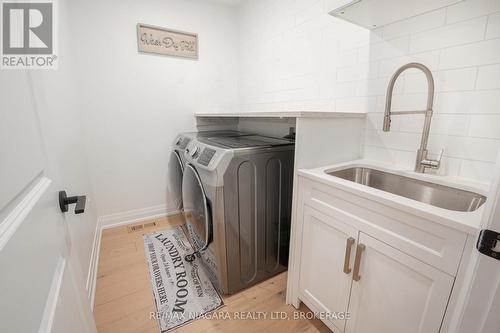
440	157
433	164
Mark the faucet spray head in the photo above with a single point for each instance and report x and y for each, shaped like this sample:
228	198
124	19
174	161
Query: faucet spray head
387	123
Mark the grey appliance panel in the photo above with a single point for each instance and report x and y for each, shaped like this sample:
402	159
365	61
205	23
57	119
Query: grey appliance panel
220	133
206	156
214	257
175	172
182	142
183	139
196	209
248	141
257	214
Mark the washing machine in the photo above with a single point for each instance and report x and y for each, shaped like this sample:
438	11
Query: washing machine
237	195
176	162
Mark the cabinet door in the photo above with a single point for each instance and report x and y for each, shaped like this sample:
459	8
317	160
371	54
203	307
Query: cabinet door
395	292
323	284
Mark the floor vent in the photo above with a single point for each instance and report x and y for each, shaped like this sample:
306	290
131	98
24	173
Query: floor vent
141	226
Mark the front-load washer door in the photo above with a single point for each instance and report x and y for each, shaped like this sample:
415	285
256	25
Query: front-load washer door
175	172
196	209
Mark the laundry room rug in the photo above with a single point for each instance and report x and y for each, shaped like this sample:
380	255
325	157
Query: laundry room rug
182	290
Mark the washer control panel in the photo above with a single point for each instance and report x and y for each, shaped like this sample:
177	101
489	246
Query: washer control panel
206	157
182	142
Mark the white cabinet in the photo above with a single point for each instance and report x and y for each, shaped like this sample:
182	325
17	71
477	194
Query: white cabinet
396	292
324	281
390	271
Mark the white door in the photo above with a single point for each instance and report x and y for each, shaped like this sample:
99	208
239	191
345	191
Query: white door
39	290
326	263
395	292
482	300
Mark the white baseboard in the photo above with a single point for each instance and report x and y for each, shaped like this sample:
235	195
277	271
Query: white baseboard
115	220
137	215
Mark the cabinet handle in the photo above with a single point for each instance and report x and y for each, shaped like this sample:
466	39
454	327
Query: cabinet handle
357	262
350	242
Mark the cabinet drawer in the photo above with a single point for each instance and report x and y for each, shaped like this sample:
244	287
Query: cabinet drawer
430	242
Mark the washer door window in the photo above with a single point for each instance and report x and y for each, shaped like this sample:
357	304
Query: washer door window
175	172
196	209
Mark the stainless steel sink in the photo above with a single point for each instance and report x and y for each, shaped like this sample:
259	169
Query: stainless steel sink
426	192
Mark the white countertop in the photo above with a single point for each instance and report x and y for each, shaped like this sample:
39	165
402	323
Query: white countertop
468	222
286	114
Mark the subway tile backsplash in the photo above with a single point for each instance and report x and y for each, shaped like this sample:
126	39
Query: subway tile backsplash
493	30
301	58
488	77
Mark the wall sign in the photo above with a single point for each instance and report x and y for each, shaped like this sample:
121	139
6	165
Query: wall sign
151	39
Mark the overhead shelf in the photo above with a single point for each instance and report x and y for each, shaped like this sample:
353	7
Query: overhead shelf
373	14
284	114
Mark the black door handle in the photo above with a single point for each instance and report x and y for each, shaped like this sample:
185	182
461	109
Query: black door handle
64	201
487	241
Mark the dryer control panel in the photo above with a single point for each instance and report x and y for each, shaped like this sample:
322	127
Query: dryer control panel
206	156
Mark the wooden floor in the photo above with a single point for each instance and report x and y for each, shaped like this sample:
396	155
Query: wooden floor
124	300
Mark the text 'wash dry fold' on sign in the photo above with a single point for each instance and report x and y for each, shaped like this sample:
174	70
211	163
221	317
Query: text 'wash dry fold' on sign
151	39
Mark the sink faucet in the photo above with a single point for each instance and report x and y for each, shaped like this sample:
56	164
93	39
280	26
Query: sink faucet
422	161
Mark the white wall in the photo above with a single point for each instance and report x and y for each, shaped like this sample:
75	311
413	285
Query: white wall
264	56
134	104
295	56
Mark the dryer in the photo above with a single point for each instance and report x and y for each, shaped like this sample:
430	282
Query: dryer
237	194
177	161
